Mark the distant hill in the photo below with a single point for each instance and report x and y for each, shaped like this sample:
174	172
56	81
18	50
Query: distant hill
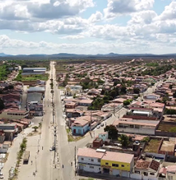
3	55
89	56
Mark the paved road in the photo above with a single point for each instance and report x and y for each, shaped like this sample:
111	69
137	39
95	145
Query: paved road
65	149
44	158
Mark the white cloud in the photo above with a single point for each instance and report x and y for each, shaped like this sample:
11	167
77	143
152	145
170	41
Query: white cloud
169	12
98	16
119	7
143	17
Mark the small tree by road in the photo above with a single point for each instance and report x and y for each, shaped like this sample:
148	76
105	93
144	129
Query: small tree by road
35	128
112	132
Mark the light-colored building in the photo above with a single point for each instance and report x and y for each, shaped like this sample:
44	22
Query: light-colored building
71	90
135	127
146	170
105	162
89	160
13	114
117	164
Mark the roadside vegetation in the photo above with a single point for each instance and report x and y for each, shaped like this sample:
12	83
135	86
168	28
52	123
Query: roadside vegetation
4	71
19	158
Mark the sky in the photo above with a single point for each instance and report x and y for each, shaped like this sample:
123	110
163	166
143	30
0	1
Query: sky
87	26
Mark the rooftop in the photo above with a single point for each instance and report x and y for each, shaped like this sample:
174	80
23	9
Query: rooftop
118	157
87	152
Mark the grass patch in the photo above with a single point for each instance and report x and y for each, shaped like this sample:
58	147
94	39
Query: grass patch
166	127
72	138
153	145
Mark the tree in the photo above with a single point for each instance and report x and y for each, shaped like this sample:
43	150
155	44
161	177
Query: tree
1	104
112	132
35	128
11	86
123	90
136	90
146	139
174	94
127	102
124	140
170	86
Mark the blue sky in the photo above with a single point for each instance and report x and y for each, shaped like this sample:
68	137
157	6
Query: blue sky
87	26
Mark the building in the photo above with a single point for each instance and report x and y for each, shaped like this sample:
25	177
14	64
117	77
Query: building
13	114
147	170
105	162
35	108
89	160
36	89
80	127
27	71
136	127
117	164
71	90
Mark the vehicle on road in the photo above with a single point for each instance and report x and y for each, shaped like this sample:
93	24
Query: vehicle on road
52	148
1	176
102	124
98	127
26	157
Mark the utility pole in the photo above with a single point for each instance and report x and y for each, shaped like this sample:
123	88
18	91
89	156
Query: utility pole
75	161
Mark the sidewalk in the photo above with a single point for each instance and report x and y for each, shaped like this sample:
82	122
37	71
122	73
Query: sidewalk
12	157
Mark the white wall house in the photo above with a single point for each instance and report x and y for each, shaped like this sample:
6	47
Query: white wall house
89	160
146	170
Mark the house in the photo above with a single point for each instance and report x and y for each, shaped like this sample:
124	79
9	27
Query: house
71	105
168	172
80	127
147	170
71	90
117	164
13	114
73	113
153	97
89	160
85	102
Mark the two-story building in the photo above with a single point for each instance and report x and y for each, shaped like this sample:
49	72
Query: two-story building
117	164
89	160
105	162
